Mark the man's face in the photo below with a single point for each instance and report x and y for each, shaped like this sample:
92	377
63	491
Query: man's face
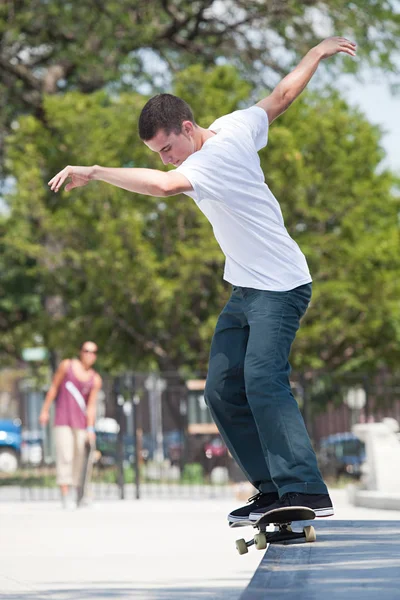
88	353
173	148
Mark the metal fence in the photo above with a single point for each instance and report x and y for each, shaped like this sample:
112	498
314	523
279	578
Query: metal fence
156	437
335	404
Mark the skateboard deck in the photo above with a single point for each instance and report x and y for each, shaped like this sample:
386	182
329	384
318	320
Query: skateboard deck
282	518
86	473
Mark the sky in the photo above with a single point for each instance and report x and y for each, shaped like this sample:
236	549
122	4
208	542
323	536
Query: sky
382	108
373	96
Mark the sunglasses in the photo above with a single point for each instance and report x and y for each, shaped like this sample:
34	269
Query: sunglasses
89	351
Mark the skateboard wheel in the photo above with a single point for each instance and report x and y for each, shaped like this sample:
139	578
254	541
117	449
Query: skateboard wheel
309	533
241	546
260	541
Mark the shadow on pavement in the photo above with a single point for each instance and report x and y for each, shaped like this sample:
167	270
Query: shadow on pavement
213	593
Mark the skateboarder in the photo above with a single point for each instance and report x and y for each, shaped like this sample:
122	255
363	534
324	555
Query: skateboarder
248	389
75	385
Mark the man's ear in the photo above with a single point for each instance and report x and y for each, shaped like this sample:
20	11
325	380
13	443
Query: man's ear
187	128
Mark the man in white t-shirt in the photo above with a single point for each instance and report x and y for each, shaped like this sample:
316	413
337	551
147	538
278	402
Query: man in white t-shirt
248	389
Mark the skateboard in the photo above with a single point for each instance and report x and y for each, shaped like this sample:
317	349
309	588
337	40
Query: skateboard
86	473
282	518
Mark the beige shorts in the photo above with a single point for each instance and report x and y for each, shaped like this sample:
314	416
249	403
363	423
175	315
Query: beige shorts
70	451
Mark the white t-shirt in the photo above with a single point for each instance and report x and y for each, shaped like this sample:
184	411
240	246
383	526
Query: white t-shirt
229	188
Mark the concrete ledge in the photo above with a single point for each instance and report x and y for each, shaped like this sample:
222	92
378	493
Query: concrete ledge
350	560
377	500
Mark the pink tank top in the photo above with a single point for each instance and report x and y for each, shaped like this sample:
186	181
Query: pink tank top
72	400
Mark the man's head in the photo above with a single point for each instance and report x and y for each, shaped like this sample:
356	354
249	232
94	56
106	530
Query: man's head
88	353
167	126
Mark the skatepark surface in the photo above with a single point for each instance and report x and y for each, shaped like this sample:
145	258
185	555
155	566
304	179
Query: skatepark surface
351	559
172	549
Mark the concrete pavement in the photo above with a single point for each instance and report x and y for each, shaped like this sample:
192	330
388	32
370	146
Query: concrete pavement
357	560
147	550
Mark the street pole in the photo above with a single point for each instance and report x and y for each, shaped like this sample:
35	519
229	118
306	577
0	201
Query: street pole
155	386
137	440
119	400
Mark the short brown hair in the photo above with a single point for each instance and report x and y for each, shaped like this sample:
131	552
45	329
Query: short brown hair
163	111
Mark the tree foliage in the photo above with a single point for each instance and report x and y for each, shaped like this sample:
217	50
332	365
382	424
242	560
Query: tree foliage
343	210
54	47
143	276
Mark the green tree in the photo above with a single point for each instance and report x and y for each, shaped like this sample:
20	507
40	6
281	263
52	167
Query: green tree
343	210
54	47
123	265
20	301
143	276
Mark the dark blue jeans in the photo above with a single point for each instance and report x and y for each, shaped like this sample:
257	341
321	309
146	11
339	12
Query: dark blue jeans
248	390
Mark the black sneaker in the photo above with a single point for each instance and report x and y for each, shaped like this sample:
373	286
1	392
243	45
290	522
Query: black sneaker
321	504
260	502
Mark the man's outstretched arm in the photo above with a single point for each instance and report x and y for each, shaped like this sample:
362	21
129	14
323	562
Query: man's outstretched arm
150	182
293	84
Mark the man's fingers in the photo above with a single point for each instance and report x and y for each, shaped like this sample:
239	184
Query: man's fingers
56	185
348	43
347	46
53	182
344	45
56	182
55	178
348	50
336	44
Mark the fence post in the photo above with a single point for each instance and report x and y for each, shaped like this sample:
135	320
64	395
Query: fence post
137	440
366	389
120	439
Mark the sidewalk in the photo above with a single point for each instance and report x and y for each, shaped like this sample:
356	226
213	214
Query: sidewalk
147	550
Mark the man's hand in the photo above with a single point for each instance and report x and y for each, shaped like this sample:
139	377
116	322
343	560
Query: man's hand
44	417
91	438
79	176
333	45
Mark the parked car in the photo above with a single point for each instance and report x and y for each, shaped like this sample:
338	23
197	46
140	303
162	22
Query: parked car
173	446
215	448
215	454
341	454
10	445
